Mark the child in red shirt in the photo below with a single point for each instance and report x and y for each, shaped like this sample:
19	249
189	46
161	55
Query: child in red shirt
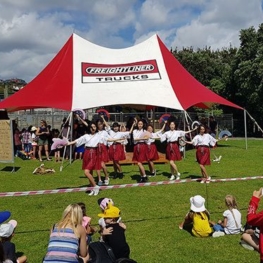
256	219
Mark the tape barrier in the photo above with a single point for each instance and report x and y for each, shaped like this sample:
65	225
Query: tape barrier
116	186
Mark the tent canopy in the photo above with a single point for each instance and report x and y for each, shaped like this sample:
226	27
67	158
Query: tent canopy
84	75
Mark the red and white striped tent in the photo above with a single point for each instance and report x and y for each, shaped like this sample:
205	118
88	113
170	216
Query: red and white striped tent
84	75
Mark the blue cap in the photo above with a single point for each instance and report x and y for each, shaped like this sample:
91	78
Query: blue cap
4	215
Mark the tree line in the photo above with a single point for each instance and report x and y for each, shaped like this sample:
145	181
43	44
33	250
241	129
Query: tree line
235	73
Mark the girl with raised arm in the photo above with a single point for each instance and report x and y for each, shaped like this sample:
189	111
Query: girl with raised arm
203	141
91	158
116	150
172	149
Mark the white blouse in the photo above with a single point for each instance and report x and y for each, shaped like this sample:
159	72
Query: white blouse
205	139
117	135
153	136
172	136
137	134
90	140
104	136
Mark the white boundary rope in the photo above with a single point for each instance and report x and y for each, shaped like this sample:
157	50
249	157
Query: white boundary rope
84	189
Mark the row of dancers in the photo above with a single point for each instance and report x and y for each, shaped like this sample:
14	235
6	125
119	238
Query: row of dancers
103	144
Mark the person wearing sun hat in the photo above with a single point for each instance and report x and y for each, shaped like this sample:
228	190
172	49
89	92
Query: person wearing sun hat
198	217
6	234
115	237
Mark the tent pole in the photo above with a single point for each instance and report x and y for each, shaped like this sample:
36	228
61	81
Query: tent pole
245	123
71	137
153	118
69	128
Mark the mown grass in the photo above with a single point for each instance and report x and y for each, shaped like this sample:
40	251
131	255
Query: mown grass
152	214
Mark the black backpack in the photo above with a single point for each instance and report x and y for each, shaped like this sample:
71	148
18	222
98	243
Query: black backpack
100	252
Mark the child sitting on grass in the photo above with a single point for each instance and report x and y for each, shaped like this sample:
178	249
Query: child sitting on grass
198	217
255	218
250	238
86	223
116	238
231	223
6	234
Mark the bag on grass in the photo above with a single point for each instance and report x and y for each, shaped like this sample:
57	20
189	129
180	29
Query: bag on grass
100	252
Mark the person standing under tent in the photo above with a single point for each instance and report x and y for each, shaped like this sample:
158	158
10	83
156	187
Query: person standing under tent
116	150
91	158
203	141
152	153
172	149
43	134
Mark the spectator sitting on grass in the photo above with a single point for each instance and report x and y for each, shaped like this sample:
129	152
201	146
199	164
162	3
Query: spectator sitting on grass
198	217
6	234
116	239
250	238
231	223
67	242
255	218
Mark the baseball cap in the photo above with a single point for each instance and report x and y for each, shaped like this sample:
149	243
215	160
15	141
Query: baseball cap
110	212
4	215
6	230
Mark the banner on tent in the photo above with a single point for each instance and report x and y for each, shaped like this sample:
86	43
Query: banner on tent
141	70
6	142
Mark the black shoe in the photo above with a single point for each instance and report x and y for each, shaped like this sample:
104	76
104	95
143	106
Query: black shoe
121	175
144	179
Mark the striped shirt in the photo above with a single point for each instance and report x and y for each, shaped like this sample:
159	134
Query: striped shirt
63	246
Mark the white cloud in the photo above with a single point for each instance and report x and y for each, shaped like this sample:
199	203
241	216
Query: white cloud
32	32
219	24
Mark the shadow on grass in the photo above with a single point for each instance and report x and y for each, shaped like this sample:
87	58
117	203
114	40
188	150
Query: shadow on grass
136	177
10	169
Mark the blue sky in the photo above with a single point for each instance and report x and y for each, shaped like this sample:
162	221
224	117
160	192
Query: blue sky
33	31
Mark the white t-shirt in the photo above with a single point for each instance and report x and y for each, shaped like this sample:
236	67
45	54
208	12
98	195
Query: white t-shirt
233	225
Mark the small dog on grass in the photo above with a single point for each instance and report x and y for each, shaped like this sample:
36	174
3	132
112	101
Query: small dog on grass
42	170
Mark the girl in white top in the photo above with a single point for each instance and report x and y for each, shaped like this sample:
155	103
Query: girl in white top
172	149
116	150
140	135
91	158
103	151
231	223
203	141
152	153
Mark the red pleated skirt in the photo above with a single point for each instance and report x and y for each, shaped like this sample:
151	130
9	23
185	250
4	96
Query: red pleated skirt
103	152
151	152
116	152
173	152
91	159
203	155
140	152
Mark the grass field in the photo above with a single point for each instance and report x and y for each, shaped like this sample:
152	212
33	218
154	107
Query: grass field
152	214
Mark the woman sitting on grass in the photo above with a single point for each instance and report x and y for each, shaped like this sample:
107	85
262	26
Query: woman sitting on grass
67	241
198	217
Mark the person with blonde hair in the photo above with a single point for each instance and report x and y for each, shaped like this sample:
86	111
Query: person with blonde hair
67	241
231	223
